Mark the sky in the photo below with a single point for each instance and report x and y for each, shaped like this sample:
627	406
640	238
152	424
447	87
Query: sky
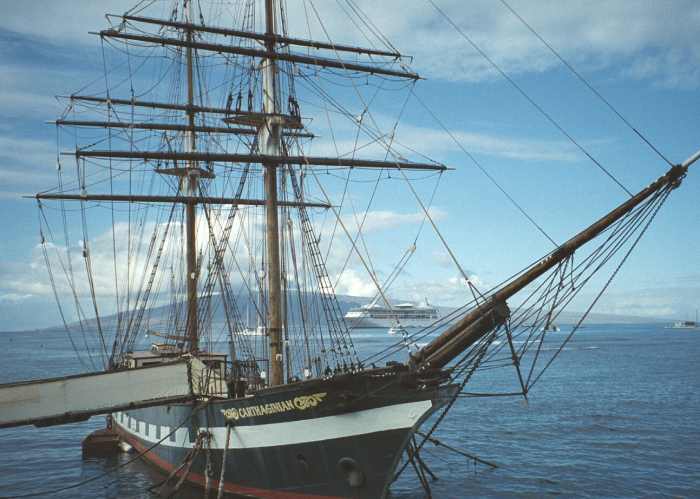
643	56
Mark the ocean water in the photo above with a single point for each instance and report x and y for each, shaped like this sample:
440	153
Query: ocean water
617	415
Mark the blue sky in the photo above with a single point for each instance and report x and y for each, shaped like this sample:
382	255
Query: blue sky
643	56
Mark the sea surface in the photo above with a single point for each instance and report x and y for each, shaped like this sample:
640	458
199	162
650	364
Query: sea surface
617	415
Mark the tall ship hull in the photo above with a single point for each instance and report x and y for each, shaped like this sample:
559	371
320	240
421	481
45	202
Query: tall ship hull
341	437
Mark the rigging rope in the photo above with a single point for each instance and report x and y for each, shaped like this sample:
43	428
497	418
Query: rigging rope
586	83
380	138
522	92
605	287
551	296
484	170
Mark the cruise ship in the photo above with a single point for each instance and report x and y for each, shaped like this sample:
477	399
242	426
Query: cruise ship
406	315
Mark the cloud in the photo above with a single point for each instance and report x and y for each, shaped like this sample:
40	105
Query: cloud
450	290
443	291
591	34
14	297
433	142
658	302
672	69
379	220
110	253
61	21
438	141
631	37
354	283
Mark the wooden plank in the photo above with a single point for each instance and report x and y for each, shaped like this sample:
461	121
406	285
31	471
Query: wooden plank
74	398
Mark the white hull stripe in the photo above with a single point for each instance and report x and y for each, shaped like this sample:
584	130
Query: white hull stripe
391	417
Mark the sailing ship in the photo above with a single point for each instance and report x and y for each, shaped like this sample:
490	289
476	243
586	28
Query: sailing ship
201	174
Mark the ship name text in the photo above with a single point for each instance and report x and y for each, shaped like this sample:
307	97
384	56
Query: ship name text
300	403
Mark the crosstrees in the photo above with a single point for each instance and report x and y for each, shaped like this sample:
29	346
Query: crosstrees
173	107
172	127
263	37
262	54
133	198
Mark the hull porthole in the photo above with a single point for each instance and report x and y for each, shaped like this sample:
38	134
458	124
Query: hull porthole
352	472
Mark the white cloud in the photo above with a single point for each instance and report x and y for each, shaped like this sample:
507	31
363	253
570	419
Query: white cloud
437	143
592	34
444	291
61	21
354	283
14	297
665	302
643	39
379	220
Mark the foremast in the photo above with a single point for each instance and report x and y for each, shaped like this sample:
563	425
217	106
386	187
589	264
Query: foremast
270	144
192	181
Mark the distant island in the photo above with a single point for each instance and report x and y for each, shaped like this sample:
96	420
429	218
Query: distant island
347	302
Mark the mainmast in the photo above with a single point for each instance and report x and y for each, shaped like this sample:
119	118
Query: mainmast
269	142
192	180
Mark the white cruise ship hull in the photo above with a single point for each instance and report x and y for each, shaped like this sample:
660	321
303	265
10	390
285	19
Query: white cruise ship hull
373	323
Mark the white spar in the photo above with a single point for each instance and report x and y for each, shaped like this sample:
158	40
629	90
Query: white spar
72	398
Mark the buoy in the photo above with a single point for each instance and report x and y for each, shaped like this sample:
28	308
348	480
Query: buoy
101	443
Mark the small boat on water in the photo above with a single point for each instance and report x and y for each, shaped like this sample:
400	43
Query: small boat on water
686	324
397	329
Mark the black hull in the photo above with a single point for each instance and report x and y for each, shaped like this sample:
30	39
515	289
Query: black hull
327	439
